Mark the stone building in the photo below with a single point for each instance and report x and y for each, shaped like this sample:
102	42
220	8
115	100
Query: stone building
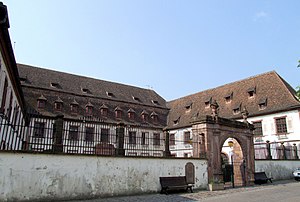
270	101
92	109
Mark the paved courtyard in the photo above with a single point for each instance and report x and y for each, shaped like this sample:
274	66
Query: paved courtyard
287	191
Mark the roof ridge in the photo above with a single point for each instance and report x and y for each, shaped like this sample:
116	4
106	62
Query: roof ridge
227	84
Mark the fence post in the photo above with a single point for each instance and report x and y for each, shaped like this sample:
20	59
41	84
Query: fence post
282	149
269	156
58	134
295	151
120	139
167	152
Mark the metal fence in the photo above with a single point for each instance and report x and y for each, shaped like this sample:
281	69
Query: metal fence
277	150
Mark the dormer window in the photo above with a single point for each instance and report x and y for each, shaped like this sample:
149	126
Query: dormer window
104	110
207	102
131	114
86	90
23	79
251	92
58	104
237	108
109	94
74	106
41	102
154	117
228	97
118	112
144	116
136	99
54	85
89	109
188	107
262	104
176	120
155	102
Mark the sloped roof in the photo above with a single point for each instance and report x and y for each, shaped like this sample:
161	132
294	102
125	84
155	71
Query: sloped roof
37	81
270	86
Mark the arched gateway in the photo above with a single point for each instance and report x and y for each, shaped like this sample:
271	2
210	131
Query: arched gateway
210	133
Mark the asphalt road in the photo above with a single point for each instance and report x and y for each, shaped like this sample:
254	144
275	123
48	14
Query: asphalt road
288	191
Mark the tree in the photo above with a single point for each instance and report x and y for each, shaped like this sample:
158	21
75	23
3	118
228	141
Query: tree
298	63
298	92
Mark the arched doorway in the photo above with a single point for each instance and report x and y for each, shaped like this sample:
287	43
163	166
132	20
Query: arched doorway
216	131
234	168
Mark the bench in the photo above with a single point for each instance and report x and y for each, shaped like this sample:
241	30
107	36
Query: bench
174	183
261	177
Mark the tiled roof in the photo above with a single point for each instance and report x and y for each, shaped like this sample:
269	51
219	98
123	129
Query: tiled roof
88	92
269	88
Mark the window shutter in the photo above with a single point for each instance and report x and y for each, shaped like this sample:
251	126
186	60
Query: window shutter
290	125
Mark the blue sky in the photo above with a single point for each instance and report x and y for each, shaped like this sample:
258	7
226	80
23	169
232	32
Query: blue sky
175	47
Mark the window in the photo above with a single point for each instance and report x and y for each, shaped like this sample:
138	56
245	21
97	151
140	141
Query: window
118	112
187	137
4	94
156	139
257	128
73	133
172	139
144	116
131	113
85	90
89	134
228	97
55	85
104	110
145	138
136	99
41	102
281	125
58	106
251	92
237	108
176	121
188	107
109	94
262	104
74	108
104	135
132	137
39	129
155	102
89	109
207	102
154	117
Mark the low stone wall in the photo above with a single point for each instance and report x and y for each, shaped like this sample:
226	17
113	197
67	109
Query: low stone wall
29	177
277	169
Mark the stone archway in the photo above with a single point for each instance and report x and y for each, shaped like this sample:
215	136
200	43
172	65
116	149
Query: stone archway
214	131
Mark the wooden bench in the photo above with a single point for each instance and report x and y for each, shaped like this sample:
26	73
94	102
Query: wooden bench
261	177
174	183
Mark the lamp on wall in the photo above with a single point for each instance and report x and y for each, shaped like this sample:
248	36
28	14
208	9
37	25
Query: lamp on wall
230	143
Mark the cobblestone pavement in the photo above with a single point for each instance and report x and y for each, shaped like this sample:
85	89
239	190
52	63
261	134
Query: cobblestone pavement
277	191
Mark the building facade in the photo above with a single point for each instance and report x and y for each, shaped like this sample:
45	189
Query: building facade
12	101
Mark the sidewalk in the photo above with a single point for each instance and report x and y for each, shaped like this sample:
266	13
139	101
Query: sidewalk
198	195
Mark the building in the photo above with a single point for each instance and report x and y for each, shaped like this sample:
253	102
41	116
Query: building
12	101
92	109
270	101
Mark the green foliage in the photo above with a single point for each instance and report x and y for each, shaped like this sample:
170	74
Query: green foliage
298	63
298	92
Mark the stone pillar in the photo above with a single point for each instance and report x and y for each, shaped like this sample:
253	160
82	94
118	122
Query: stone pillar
282	151
268	155
295	153
58	134
120	132
167	152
